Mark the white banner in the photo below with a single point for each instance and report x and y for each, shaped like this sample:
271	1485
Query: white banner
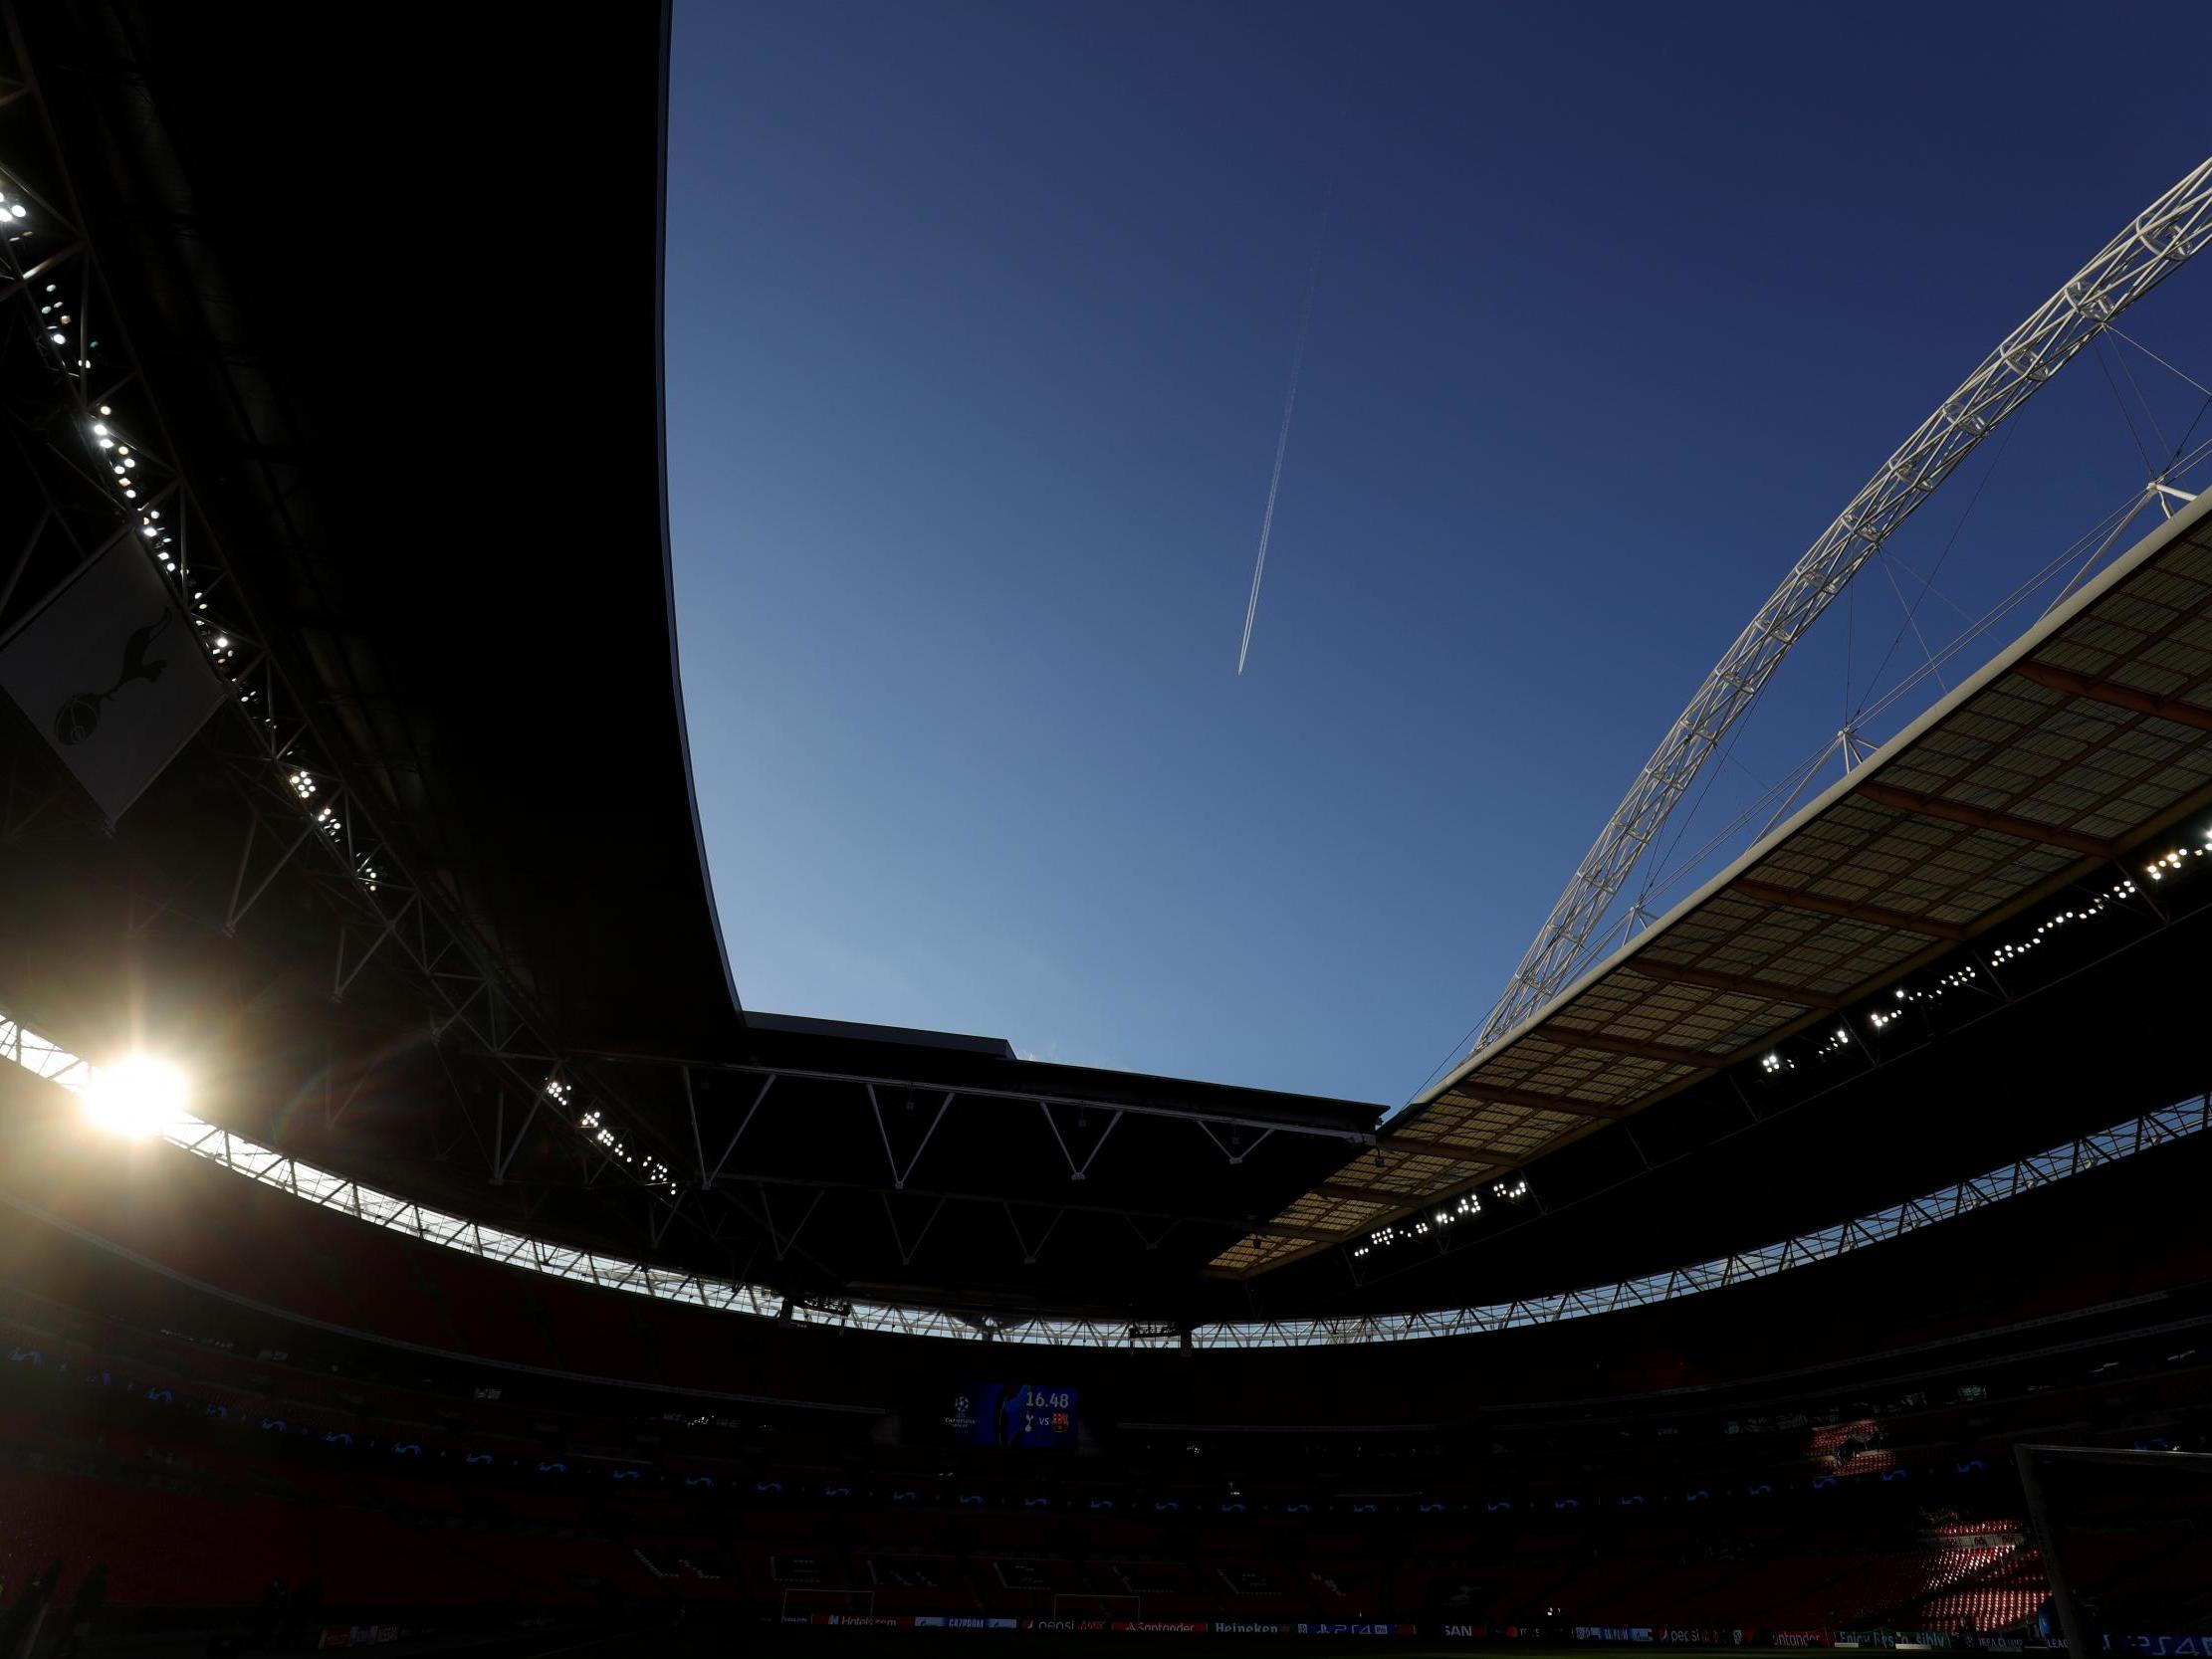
112	674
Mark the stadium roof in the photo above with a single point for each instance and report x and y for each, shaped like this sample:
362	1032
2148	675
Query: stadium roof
413	385
2087	737
413	388
400	303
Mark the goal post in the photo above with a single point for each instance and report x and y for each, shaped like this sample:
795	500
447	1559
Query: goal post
2126	1537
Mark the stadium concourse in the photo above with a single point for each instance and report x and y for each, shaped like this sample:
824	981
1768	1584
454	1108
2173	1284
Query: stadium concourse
410	1240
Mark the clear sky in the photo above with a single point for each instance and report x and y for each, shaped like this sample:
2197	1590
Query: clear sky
980	317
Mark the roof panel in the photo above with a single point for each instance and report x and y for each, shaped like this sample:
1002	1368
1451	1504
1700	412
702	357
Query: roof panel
1997	776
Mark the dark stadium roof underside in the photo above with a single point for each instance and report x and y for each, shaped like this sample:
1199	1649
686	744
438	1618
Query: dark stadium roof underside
2087	737
402	315
961	1173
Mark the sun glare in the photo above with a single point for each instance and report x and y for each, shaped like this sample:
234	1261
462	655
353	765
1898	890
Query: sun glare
137	1096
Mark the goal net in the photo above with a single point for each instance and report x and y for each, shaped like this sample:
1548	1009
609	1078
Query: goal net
2127	1543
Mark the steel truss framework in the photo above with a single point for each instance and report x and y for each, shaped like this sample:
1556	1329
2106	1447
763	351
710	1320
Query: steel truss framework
1078	1130
1080	1150
101	450
405	1215
2160	238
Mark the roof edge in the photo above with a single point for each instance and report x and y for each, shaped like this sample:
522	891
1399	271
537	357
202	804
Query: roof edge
1942	709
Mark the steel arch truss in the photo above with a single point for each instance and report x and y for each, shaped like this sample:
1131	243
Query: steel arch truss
2164	235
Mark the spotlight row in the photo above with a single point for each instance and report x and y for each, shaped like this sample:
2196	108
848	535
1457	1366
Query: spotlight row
136	1096
1839	1038
1463	1208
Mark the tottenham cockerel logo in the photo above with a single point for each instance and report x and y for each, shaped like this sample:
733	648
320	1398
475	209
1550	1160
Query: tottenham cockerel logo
79	716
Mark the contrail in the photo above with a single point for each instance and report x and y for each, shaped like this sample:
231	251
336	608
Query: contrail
1282	438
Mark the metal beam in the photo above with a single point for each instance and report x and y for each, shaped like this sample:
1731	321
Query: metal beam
1444	1149
908	1249
899	1175
1289	1230
240	900
1472	1088
987	1092
706	1177
1606	1043
2115	694
661	1214
783	1243
1975	817
1237	1153
1733	983
1078	1171
505	1149
1797	899
1151	1241
1031	1251
332	1113
1359	1194
22	283
343	977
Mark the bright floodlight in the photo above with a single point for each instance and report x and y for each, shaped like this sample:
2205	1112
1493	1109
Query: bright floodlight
137	1096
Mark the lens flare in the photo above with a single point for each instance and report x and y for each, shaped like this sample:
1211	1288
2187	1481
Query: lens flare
136	1096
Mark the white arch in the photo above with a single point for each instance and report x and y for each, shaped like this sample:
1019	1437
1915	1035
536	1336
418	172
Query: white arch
2138	259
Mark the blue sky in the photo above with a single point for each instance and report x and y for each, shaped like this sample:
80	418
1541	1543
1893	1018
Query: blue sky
978	323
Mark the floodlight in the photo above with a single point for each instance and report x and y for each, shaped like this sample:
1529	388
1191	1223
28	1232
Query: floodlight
139	1096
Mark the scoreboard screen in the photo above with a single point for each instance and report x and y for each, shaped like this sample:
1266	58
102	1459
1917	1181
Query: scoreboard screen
1028	1415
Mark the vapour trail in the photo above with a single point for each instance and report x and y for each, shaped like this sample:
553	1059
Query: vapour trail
1289	408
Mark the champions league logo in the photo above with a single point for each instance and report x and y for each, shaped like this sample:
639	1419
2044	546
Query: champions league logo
962	1420
79	716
